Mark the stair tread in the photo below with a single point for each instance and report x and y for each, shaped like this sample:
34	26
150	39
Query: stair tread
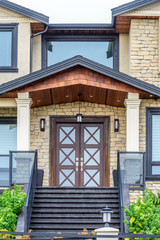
64	209
65	216
75	201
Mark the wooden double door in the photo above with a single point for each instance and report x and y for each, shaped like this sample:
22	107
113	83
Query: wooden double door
79	158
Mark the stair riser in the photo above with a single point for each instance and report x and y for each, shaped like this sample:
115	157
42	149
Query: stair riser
73	209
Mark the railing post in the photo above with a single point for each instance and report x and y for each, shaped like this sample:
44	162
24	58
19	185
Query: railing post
25	219
36	155
10	170
108	231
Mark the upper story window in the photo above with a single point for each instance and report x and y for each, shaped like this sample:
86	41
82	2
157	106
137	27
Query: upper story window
8	48
103	50
153	142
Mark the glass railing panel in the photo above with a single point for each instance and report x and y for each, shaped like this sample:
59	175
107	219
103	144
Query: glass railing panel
132	168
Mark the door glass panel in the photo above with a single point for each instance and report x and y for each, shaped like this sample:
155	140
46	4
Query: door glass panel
67	156
67	177
91	178
91	135
89	160
67	135
91	184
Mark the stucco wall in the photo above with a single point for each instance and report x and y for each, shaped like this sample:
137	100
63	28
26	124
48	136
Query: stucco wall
40	140
124	53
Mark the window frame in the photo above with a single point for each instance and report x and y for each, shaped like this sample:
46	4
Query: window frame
8	120
149	112
14	29
82	38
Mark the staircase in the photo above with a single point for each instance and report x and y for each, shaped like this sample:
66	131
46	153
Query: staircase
73	209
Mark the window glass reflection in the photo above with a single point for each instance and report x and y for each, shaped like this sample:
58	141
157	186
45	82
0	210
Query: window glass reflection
101	52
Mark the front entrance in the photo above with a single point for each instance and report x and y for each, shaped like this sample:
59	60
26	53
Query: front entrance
79	159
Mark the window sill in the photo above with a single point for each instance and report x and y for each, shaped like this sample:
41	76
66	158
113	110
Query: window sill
8	70
153	178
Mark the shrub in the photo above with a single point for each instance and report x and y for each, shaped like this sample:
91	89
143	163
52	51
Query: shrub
144	215
11	203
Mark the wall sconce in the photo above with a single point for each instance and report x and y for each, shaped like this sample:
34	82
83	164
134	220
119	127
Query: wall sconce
107	215
42	124
116	125
79	116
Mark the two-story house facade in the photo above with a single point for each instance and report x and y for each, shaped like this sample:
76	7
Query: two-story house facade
107	73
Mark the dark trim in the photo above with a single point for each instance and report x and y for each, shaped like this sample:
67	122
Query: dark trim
149	112
75	61
31	45
13	28
82	38
86	119
8	120
8	70
81	27
131	6
24	11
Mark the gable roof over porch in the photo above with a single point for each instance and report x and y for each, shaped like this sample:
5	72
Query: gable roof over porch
64	81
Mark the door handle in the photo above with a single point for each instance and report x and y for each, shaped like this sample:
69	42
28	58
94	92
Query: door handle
82	164
77	164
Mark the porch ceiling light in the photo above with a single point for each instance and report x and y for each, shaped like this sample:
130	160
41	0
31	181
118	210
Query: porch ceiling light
116	125
42	124
79	116
107	215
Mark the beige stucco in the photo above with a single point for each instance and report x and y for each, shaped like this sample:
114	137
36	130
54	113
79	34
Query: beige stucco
24	33
148	10
124	53
7	103
37	53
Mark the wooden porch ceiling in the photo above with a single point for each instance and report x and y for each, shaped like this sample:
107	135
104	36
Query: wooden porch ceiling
65	87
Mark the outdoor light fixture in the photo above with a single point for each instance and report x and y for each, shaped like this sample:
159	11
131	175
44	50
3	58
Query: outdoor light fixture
107	215
79	116
42	124
116	125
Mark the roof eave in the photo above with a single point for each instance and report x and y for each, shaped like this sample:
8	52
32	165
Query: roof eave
130	6
72	62
24	11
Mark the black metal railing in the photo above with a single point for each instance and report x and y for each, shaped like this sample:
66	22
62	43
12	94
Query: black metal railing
75	235
131	172
30	194
121	205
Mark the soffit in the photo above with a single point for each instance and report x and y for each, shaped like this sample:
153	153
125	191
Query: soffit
65	87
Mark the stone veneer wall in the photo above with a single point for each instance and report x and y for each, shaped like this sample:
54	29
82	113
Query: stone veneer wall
152	185
8	112
144	53
144	65
40	140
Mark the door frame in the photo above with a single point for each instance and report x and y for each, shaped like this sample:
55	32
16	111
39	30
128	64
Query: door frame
86	119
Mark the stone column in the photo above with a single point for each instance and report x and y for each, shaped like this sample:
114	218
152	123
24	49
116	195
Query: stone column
107	231
132	113
23	121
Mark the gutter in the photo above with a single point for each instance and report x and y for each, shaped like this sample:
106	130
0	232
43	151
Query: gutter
31	44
